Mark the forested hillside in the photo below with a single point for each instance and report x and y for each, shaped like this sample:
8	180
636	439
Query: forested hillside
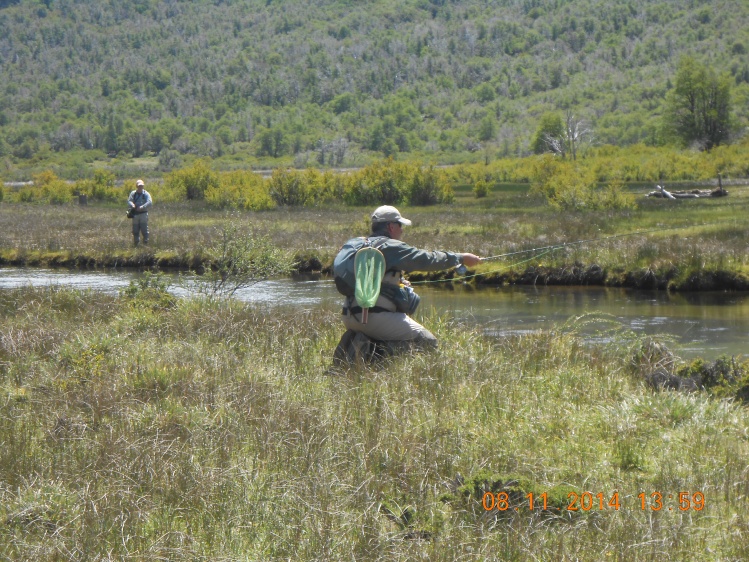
342	82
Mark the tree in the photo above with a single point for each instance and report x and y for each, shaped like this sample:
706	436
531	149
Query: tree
487	129
272	143
698	107
561	136
550	128
578	132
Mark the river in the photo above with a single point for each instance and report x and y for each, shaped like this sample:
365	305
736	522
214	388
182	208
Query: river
701	324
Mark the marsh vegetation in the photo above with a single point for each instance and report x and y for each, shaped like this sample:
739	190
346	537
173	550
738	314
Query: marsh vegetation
146	427
152	427
647	243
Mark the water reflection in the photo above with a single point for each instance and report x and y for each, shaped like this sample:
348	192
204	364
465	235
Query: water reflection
704	324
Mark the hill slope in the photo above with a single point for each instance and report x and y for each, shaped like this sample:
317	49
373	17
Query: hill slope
338	82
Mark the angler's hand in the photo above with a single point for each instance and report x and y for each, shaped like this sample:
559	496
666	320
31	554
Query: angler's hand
470	260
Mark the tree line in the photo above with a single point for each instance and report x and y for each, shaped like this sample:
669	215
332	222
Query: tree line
332	83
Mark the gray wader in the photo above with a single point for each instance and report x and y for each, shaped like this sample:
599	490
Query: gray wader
140	226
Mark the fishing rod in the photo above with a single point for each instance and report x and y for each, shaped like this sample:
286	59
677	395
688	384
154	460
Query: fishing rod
461	270
543	250
578	242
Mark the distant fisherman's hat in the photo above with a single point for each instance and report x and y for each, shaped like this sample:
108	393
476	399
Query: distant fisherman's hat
386	213
139	182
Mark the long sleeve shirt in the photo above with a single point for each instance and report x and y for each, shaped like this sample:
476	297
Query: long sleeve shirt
399	256
142	200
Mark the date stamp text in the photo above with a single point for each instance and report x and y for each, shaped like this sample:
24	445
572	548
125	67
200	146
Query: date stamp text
589	501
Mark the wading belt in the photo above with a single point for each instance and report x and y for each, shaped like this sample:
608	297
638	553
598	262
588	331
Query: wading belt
358	309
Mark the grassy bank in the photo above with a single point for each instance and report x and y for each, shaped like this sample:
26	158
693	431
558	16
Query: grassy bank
685	244
151	428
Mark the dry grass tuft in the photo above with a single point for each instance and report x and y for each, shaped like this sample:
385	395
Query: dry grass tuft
210	430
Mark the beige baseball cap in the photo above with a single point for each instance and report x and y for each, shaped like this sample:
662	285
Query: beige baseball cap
386	213
139	182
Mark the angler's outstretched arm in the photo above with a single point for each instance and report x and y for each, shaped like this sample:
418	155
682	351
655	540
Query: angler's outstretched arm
401	256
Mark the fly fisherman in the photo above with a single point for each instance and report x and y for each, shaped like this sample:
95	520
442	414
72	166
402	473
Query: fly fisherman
390	319
139	202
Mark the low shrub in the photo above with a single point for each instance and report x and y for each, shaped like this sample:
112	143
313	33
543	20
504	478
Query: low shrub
429	186
240	190
290	188
46	187
101	187
480	189
570	186
193	182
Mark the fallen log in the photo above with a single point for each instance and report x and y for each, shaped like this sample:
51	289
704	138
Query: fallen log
693	194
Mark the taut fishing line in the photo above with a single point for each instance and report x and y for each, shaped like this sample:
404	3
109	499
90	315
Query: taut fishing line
542	251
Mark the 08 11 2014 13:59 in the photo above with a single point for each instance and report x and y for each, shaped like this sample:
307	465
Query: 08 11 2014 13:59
587	501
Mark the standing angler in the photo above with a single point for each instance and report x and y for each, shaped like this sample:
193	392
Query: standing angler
389	320
139	202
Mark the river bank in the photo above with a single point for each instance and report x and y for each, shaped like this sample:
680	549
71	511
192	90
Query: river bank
685	245
698	324
674	278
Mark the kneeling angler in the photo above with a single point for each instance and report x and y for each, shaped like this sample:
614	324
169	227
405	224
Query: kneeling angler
389	321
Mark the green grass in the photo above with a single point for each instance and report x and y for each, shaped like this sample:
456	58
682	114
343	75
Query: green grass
685	244
152	428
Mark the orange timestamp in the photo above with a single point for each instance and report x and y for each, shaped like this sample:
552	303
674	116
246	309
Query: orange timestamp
588	501
683	501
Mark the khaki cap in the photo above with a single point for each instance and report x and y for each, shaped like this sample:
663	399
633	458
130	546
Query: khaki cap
386	213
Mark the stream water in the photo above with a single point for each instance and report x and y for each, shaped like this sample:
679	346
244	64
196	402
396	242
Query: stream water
701	324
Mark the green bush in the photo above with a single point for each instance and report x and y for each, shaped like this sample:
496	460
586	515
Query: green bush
382	183
240	259
193	182
323	187
572	186
725	377
46	187
635	163
101	187
480	189
571	189
240	190
289	188
429	186
614	197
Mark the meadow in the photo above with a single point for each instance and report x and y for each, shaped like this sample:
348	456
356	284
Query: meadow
690	244
142	426
145	427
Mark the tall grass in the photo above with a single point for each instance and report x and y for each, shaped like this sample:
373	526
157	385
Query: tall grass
683	244
144	428
508	218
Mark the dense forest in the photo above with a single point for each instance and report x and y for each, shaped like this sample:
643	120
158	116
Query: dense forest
345	82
